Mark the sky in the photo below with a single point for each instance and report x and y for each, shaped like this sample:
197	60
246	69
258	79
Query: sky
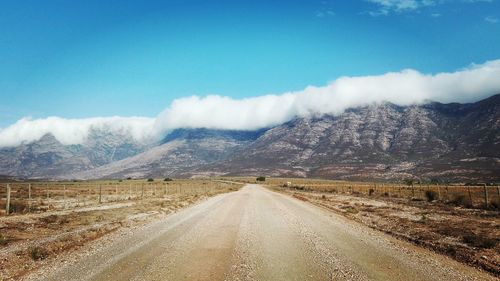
93	59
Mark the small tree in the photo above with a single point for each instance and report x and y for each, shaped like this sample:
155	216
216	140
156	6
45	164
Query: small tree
150	179
168	179
261	178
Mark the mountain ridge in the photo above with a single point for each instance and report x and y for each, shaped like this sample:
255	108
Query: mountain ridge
453	141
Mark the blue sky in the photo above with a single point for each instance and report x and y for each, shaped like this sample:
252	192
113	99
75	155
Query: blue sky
88	58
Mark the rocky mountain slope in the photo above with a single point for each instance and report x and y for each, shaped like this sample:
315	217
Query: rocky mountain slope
180	151
450	142
382	141
48	158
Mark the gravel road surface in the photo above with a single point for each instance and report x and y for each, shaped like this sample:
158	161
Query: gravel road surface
257	234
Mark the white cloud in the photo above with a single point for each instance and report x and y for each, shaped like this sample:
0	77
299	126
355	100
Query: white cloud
388	6
491	19
74	131
403	88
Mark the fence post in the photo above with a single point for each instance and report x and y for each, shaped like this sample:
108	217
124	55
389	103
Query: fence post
7	203
100	194
485	196
470	195
64	196
29	197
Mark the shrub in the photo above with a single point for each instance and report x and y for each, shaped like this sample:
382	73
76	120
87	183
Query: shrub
431	195
261	178
150	179
168	179
408	182
479	241
495	204
18	207
38	253
129	178
3	240
460	200
371	191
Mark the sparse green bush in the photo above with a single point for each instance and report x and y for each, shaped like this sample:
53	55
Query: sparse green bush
150	179
129	178
3	240
38	253
168	179
431	195
261	178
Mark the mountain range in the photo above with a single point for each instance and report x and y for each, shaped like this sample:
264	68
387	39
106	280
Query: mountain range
449	142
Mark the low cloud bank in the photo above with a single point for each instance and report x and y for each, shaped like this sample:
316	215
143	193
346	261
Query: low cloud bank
74	131
217	112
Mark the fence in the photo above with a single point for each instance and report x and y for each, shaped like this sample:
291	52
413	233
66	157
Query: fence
479	195
22	197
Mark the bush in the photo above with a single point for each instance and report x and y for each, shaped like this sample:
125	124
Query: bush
168	179
38	253
261	179
431	195
18	207
3	240
495	204
371	191
460	200
129	178
479	241
151	179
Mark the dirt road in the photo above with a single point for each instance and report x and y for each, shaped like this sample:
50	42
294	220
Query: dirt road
257	234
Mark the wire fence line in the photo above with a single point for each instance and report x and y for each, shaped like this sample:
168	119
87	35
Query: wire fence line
468	196
26	197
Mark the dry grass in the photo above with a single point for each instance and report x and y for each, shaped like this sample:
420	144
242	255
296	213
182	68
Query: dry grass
28	239
451	227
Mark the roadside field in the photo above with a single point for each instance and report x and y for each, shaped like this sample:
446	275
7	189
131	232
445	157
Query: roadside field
71	215
466	232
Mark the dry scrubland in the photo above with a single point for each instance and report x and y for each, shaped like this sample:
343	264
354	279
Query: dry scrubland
50	219
441	218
